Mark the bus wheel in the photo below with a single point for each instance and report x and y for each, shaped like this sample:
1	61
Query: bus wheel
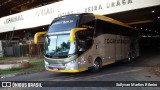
96	66
133	55
129	58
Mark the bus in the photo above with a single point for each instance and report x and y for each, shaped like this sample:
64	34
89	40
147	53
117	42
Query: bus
80	42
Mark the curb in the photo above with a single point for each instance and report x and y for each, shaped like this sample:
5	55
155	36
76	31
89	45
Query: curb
23	73
14	64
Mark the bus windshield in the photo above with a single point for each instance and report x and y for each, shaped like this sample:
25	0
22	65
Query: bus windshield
64	24
58	46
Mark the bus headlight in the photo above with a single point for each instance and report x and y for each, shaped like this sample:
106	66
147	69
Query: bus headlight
71	63
46	64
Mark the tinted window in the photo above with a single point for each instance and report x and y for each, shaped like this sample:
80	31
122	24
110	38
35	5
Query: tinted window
64	24
87	21
103	27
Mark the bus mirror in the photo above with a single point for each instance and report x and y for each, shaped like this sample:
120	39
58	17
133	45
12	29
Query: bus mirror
37	35
73	31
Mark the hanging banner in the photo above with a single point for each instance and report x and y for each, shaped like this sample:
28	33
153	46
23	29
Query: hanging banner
45	14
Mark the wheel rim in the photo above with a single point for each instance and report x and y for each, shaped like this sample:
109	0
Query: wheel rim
129	58
96	65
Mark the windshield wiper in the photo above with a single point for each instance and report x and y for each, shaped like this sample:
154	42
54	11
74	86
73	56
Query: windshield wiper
49	56
62	54
57	56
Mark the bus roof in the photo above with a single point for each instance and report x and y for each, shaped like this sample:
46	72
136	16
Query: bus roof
101	17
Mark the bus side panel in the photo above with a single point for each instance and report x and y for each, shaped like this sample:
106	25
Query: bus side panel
85	60
96	50
118	47
110	49
127	46
123	47
137	47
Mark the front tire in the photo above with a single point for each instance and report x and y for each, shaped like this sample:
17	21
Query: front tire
129	59
96	66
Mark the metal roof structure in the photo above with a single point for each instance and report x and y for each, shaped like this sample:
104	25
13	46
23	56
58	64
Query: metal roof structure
145	19
8	7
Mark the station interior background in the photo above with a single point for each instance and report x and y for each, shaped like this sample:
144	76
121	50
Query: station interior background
20	43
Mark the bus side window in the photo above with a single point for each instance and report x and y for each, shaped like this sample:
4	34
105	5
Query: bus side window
89	42
88	21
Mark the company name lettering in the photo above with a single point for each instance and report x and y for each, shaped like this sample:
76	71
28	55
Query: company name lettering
13	19
108	5
46	11
119	3
116	41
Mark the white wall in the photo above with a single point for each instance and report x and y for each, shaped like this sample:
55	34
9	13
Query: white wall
45	14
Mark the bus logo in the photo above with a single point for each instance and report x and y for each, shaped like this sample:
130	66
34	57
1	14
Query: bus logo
6	84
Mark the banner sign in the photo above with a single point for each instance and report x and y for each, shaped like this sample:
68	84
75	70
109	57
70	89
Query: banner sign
45	14
22	84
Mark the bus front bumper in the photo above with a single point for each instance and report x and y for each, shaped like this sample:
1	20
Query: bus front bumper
70	67
67	71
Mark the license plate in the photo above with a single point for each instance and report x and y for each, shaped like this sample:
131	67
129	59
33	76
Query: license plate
55	69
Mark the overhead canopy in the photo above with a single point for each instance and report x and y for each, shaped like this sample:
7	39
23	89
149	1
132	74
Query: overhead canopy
45	14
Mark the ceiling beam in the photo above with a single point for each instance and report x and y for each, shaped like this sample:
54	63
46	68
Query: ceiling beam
19	7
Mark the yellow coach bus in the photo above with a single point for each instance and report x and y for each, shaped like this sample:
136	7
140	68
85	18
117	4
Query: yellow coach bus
79	42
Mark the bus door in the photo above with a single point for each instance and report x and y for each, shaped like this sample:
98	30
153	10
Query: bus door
84	41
